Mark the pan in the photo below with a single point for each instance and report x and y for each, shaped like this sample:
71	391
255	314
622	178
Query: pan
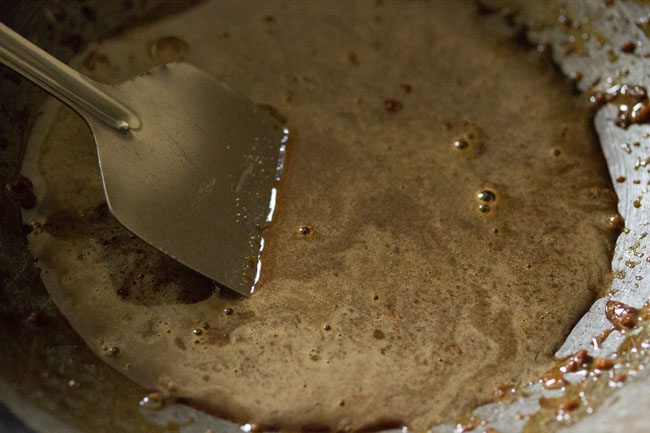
52	381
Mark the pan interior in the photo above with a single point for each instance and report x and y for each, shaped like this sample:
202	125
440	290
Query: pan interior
441	226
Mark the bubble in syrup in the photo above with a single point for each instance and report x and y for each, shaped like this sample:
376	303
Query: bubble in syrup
392	105
197	331
484	208
461	144
152	401
227	311
305	230
486	195
616	223
250	428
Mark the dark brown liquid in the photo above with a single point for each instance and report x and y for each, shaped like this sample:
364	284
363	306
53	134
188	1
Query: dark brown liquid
442	223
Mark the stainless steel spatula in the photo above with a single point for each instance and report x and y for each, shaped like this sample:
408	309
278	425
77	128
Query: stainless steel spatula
188	165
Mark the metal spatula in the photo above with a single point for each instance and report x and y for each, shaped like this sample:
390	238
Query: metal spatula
188	165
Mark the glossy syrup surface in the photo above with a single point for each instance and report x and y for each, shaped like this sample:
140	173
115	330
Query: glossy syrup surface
442	223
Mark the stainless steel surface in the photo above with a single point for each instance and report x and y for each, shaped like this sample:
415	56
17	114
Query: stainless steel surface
192	173
62	81
197	181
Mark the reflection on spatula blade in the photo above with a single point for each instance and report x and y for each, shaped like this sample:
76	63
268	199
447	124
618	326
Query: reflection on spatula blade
197	179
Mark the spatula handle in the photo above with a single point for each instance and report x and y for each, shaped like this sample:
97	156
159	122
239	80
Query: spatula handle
62	81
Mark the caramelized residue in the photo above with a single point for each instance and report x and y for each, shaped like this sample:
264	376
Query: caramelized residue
632	101
620	315
599	374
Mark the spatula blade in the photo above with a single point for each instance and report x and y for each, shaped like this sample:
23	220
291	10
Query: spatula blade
197	180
